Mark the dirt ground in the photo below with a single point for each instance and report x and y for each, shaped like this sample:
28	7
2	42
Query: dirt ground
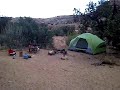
43	72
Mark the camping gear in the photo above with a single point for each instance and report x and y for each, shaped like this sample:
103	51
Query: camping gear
11	52
20	54
64	52
33	49
89	43
26	56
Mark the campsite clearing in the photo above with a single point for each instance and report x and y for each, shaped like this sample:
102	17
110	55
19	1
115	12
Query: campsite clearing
44	72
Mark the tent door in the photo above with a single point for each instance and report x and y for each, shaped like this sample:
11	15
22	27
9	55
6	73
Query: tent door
82	44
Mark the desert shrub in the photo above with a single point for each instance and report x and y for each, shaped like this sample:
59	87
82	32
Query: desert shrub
19	34
69	29
58	32
70	37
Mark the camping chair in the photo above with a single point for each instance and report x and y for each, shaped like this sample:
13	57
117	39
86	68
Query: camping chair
11	52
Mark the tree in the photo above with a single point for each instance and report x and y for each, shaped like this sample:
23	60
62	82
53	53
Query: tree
104	20
3	22
76	15
91	7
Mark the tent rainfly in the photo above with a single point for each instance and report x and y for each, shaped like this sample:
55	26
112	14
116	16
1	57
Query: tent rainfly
89	43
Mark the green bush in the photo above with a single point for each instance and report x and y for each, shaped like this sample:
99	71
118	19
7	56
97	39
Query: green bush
58	32
19	34
70	37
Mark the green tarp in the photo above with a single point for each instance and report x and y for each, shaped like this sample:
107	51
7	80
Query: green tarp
89	43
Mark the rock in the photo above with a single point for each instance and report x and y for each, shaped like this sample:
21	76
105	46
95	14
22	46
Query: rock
64	58
51	52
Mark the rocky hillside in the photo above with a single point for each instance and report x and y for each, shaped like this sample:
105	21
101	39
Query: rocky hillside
55	22
68	19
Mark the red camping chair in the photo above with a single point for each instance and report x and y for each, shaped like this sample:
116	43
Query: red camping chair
11	52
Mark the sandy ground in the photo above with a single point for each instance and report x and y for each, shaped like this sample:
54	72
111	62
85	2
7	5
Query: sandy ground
43	72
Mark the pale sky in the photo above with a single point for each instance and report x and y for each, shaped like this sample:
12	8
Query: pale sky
40	8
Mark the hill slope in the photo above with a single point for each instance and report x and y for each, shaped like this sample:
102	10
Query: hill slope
68	19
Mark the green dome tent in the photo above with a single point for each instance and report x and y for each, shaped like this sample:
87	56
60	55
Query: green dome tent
87	42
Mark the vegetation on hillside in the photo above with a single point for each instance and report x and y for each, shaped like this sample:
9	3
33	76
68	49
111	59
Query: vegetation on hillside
104	20
23	32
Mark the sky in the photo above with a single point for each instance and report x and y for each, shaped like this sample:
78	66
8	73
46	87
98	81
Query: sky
41	8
